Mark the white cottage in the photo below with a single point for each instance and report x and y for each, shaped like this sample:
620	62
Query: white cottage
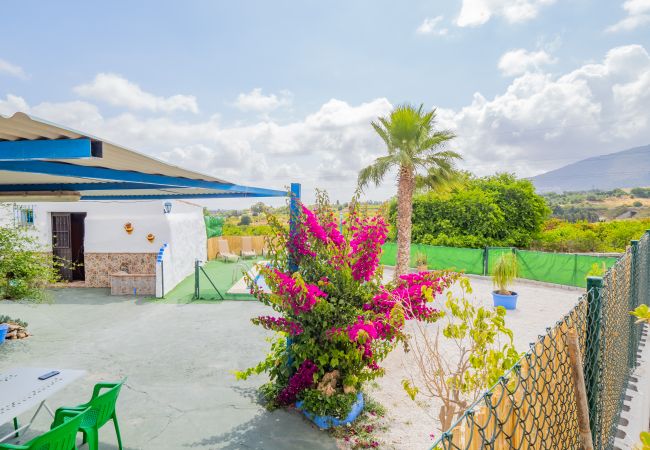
127	245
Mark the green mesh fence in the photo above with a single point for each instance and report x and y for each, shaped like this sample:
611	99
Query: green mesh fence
533	405
213	226
559	268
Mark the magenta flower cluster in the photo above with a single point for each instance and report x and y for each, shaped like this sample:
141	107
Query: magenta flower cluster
334	235
301	298
278	324
365	247
409	292
301	380
311	221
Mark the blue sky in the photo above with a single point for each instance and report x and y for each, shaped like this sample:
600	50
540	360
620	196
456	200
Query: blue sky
268	92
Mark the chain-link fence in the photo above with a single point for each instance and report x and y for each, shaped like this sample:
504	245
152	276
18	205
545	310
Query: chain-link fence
534	404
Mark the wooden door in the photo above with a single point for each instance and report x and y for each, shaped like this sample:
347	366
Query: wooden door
61	243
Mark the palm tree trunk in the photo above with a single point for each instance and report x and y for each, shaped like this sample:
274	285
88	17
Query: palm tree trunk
405	188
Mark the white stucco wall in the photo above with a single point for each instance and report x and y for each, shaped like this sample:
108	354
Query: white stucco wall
183	229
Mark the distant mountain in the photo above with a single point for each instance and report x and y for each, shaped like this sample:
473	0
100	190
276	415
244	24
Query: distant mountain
628	168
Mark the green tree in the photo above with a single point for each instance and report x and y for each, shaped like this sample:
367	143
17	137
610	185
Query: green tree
245	220
496	210
415	150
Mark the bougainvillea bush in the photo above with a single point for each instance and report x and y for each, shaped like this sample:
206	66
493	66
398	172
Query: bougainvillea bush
335	321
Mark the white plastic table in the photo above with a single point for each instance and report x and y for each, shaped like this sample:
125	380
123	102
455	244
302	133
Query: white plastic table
21	390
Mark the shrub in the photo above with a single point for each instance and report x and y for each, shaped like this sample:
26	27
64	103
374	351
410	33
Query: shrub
24	270
641	192
500	210
245	220
335	321
481	350
615	236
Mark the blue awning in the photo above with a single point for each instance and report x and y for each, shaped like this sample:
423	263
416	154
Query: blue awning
40	158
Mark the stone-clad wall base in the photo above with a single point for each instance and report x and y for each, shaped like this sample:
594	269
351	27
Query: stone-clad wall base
99	266
132	284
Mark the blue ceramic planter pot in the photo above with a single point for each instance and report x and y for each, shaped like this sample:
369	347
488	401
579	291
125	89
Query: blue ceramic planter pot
507	301
3	332
325	422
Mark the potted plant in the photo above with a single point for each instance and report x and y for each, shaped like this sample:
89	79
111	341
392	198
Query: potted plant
504	273
421	261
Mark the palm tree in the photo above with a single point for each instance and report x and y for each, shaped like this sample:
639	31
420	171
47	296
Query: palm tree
415	149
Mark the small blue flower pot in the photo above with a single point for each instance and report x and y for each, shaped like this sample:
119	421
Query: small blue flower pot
507	301
3	332
325	422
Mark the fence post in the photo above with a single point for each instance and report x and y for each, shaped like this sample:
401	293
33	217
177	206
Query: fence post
486	252
592	352
197	290
294	217
633	302
646	259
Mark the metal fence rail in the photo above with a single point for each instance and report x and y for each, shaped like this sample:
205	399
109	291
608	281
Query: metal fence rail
533	405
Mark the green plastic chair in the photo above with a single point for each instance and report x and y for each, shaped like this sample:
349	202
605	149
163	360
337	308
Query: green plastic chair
61	437
101	409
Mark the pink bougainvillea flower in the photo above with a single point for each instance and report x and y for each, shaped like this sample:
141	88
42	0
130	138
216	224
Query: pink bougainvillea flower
301	380
301	298
365	245
313	226
278	324
409	292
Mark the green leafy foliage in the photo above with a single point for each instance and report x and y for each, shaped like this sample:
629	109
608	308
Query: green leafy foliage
484	352
336	405
420	259
642	313
641	192
597	270
645	440
361	434
248	230
500	210
615	236
24	270
7	319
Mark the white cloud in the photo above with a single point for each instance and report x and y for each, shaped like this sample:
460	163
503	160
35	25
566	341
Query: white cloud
542	121
430	26
258	102
118	91
7	68
478	12
539	122
329	144
638	14
519	61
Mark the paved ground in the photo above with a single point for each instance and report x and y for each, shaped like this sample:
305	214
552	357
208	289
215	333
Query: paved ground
178	358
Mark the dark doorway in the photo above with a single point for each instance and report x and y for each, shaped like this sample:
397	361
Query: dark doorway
68	244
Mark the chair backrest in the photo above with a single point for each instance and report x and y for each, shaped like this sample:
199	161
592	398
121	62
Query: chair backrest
246	244
62	437
223	246
102	405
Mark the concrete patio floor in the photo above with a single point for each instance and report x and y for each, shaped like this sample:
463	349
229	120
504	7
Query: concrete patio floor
178	358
